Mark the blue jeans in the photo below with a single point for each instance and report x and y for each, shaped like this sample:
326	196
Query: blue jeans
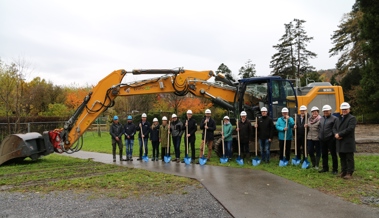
140	146
228	148
176	142
265	149
129	143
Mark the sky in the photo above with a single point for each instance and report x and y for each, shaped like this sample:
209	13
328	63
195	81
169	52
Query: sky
77	43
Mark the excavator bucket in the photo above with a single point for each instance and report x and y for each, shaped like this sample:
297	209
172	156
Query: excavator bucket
17	147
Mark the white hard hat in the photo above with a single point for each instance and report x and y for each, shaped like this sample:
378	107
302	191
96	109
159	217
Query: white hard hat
243	113
189	112
326	108
207	111
285	110
143	115
345	105
303	108
314	108
164	118
155	119
263	109
174	115
226	117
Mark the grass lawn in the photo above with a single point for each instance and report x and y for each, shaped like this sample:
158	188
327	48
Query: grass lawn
364	185
56	172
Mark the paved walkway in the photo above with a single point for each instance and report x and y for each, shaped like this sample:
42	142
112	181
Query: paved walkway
252	193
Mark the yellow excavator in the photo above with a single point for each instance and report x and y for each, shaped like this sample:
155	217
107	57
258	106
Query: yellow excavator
248	95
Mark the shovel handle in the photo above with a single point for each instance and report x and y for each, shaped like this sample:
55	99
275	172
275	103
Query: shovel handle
168	138
187	136
238	139
305	137
205	137
222	139
296	135
143	139
285	139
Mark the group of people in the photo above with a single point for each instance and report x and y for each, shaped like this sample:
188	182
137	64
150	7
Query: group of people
316	136
159	135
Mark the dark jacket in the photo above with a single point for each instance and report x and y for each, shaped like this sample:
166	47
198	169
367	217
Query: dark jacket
246	130
129	130
154	134
345	127
146	128
192	128
326	128
300	126
210	131
176	128
265	128
116	130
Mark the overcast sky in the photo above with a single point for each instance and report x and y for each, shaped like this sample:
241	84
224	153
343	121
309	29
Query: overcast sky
80	42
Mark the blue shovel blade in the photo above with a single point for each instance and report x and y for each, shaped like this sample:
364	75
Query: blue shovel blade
187	160
167	159
145	158
305	164
239	161
295	161
202	160
223	160
256	161
283	163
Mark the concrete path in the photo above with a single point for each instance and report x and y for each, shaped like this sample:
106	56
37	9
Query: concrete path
252	193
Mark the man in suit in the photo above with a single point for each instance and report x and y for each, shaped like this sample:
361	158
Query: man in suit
344	132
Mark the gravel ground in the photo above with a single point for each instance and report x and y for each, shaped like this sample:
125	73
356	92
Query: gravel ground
198	202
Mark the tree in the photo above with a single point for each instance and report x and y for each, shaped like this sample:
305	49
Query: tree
348	43
370	34
226	71
248	70
292	58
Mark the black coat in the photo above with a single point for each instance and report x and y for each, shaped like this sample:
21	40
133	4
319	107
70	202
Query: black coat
265	128
154	134
146	128
116	130
345	127
130	130
300	126
246	130
192	128
210	131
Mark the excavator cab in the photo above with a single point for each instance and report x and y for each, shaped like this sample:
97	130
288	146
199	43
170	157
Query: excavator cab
272	92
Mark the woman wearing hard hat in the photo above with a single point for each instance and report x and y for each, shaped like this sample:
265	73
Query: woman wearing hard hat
313	142
154	137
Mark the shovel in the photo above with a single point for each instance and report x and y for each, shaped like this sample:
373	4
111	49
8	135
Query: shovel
256	161
167	157
295	160
203	159
145	158
306	162
284	161
223	159
239	160
187	159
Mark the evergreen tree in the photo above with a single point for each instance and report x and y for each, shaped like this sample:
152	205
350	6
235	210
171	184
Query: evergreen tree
248	70
292	58
348	43
226	71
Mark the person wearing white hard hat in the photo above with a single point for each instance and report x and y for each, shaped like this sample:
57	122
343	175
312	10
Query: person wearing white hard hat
163	137
327	140
176	133
116	131
282	128
192	128
245	131
299	125
227	136
209	125
344	132
265	127
129	132
154	138
143	135
313	142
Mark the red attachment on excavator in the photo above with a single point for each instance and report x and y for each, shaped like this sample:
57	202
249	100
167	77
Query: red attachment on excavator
17	147
55	139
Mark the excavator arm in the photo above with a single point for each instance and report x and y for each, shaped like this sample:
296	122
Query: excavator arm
179	82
